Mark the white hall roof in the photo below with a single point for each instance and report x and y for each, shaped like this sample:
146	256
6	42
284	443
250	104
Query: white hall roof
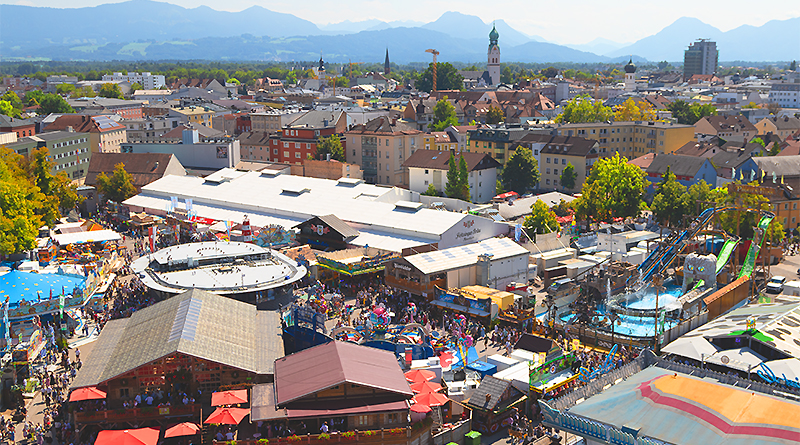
288	200
457	257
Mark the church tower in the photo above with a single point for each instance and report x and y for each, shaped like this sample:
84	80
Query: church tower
493	65
386	68
630	76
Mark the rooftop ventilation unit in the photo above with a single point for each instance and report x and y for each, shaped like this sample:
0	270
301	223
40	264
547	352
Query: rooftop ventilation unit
408	206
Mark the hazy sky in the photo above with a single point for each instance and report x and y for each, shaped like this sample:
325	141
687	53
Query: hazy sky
563	21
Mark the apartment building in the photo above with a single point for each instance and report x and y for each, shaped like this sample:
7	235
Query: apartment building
496	142
785	94
69	150
272	120
632	139
147	80
555	153
730	128
381	146
193	115
105	134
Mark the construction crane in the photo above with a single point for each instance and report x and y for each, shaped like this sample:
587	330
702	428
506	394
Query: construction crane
435	53
351	67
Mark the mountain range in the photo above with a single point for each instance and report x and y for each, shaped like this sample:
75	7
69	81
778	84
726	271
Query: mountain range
146	29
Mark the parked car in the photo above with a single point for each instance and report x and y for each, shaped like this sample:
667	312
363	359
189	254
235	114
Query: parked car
775	284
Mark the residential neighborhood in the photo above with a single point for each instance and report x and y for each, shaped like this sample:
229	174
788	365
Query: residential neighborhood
354	231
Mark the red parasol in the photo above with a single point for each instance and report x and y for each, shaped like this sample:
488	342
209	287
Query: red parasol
425	387
182	429
228	416
141	436
430	399
418	408
420	375
231	397
88	393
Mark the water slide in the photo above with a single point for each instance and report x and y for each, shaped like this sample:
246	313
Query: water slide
661	258
752	253
723	258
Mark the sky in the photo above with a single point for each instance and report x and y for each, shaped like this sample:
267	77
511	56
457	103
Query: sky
564	21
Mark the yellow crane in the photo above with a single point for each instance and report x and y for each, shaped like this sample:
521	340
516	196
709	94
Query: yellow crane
434	75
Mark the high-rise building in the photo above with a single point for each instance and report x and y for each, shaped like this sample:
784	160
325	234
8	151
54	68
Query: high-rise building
702	57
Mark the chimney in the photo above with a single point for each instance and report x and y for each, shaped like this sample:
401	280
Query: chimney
328	157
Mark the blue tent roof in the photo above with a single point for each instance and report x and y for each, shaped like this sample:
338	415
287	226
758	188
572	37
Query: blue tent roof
20	286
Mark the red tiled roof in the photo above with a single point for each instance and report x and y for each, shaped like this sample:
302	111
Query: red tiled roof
334	363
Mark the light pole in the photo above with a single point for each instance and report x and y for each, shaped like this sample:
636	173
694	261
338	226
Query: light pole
658	280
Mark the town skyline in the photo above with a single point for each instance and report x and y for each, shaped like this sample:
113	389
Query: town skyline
630	21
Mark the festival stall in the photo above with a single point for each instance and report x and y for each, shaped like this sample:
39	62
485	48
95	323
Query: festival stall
466	303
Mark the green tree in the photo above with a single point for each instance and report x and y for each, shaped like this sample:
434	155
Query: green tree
136	86
498	188
463	179
33	97
696	198
521	171
110	90
118	187
745	221
6	108
631	111
444	115
234	81
431	191
614	189
19	199
506	76
85	91
291	77
582	109
451	189
563	208
65	89
759	141
53	103
495	115
568	177
541	220
669	203
689	114
15	102
330	145
750	105
793	65
550	72
447	78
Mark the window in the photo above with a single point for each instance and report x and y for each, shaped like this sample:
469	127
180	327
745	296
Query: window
275	151
794	207
297	154
393	418
548	170
564	161
547	181
387	178
354	152
285	145
555	171
124	392
547	160
786	207
428	172
285	154
784	219
363	420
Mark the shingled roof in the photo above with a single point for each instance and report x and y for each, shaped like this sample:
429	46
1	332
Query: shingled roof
679	165
144	168
196	323
439	160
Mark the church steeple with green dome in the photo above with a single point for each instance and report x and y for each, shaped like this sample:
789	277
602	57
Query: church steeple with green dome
493	36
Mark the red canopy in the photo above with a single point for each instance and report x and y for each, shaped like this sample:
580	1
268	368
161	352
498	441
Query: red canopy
141	436
182	429
231	397
423	387
418	408
88	393
420	375
228	416
430	399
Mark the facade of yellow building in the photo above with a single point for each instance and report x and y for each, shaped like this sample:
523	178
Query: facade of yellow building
632	139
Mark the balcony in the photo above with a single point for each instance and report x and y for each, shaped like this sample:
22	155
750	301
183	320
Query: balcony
138	414
394	436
